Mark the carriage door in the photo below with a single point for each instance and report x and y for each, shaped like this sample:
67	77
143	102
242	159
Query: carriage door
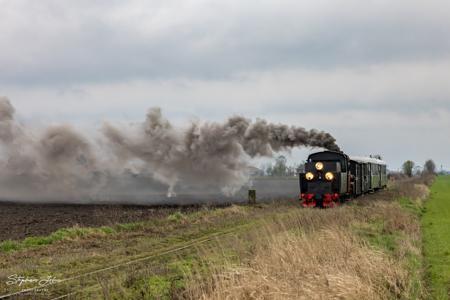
381	176
357	179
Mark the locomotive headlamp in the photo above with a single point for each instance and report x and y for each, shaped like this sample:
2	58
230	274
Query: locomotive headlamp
319	166
309	176
329	176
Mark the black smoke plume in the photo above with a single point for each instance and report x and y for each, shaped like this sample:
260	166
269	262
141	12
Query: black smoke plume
61	162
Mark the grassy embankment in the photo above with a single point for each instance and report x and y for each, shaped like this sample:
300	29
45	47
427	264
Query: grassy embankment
436	237
370	248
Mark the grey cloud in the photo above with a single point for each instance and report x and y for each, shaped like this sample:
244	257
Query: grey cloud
88	41
326	105
320	63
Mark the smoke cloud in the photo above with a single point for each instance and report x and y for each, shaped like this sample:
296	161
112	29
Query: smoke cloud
61	162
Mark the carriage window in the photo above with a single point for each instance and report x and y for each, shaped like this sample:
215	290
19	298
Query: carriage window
374	170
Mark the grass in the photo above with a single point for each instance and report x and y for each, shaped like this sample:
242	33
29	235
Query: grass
370	249
153	287
436	236
8	246
415	207
68	234
59	235
373	232
175	217
290	262
72	251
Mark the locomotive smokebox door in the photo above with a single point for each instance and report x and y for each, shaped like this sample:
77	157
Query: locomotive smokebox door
319	188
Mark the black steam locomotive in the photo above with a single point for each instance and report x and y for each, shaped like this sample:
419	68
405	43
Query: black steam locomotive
332	177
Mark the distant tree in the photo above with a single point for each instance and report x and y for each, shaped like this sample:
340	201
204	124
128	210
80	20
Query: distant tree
292	170
268	170
300	167
429	167
417	170
408	168
280	167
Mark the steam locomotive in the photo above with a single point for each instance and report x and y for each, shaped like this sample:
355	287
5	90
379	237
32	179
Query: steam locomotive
333	177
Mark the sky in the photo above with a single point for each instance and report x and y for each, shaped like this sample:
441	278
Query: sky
375	74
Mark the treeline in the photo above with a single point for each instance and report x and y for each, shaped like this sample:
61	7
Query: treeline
410	169
280	168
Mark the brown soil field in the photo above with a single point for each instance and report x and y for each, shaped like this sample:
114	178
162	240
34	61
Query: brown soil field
21	220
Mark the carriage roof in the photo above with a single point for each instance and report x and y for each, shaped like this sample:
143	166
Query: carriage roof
366	160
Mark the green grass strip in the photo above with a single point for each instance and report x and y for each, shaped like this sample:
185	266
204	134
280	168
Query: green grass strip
436	238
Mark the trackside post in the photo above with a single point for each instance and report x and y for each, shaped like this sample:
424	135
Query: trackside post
251	196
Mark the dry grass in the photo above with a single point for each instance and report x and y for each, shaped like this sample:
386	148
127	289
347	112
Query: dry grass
331	264
318	254
415	187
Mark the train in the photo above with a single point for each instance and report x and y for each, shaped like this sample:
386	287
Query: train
331	178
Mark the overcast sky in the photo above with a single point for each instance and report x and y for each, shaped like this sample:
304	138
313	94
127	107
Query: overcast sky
375	74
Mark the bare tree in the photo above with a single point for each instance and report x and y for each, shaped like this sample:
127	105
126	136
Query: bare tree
280	167
429	167
408	168
377	156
